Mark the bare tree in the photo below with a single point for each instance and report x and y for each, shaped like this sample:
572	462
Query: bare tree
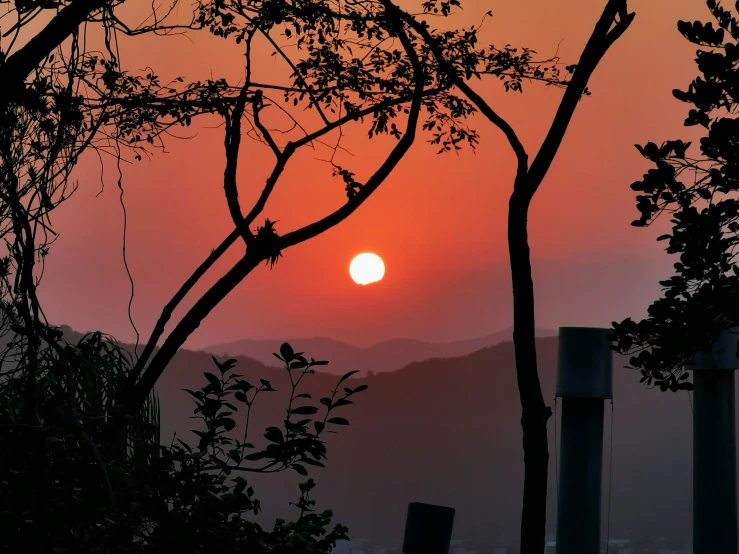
613	22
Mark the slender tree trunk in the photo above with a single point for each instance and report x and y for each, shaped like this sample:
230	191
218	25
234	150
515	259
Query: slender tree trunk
535	413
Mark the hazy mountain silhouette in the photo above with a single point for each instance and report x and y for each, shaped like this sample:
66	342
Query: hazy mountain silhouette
447	431
388	355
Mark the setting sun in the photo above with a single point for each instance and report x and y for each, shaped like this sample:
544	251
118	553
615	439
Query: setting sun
367	268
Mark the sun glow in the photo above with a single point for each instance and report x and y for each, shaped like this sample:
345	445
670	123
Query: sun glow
367	268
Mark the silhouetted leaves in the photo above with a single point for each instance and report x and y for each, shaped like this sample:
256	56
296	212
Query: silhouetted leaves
170	495
698	191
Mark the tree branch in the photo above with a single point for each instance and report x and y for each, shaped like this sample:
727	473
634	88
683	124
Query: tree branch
215	255
133	401
598	44
232	143
476	99
191	321
173	303
20	64
404	144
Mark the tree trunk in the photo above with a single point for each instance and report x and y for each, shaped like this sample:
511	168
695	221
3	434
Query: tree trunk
535	413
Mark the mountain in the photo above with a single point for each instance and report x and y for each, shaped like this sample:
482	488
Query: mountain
385	356
447	431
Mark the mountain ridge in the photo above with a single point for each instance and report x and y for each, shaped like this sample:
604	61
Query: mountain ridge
388	355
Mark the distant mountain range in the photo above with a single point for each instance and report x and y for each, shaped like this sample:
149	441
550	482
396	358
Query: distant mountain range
389	355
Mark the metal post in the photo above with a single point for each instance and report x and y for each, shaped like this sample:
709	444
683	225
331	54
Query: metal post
714	449
584	381
428	529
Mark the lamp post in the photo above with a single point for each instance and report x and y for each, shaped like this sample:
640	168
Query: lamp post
428	529
584	381
714	448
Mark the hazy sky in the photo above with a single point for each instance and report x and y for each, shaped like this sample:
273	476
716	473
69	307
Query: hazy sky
438	222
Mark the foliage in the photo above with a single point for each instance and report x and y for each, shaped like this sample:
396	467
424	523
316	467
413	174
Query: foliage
56	491
699	192
69	487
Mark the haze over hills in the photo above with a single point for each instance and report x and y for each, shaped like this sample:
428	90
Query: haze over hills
389	355
446	431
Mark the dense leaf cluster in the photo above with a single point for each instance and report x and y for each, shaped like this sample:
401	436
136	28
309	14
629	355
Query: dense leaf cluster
699	192
72	485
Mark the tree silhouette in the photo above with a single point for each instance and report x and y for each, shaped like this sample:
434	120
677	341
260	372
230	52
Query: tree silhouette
613	22
698	190
353	62
60	98
387	82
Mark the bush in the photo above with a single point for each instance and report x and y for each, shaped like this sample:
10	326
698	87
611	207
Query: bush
70	484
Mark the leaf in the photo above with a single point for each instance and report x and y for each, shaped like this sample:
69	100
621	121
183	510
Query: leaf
196	394
303	395
304	410
274	434
287	352
228	423
347	375
300	469
215	381
338	421
360	388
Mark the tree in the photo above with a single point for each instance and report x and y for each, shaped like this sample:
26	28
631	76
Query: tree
535	413
353	62
698	190
385	83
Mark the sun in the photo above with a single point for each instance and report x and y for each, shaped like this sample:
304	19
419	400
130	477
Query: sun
367	268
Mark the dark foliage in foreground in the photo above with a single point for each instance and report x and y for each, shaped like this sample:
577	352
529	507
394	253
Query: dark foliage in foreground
71	486
698	190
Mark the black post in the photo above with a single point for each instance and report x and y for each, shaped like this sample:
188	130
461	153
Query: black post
428	529
714	463
580	465
584	381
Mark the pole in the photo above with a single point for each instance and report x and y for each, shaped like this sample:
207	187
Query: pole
584	381
428	529
714	449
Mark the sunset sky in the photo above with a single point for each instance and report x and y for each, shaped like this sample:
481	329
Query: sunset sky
438	222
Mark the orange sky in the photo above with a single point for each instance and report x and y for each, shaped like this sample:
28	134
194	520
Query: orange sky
438	222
